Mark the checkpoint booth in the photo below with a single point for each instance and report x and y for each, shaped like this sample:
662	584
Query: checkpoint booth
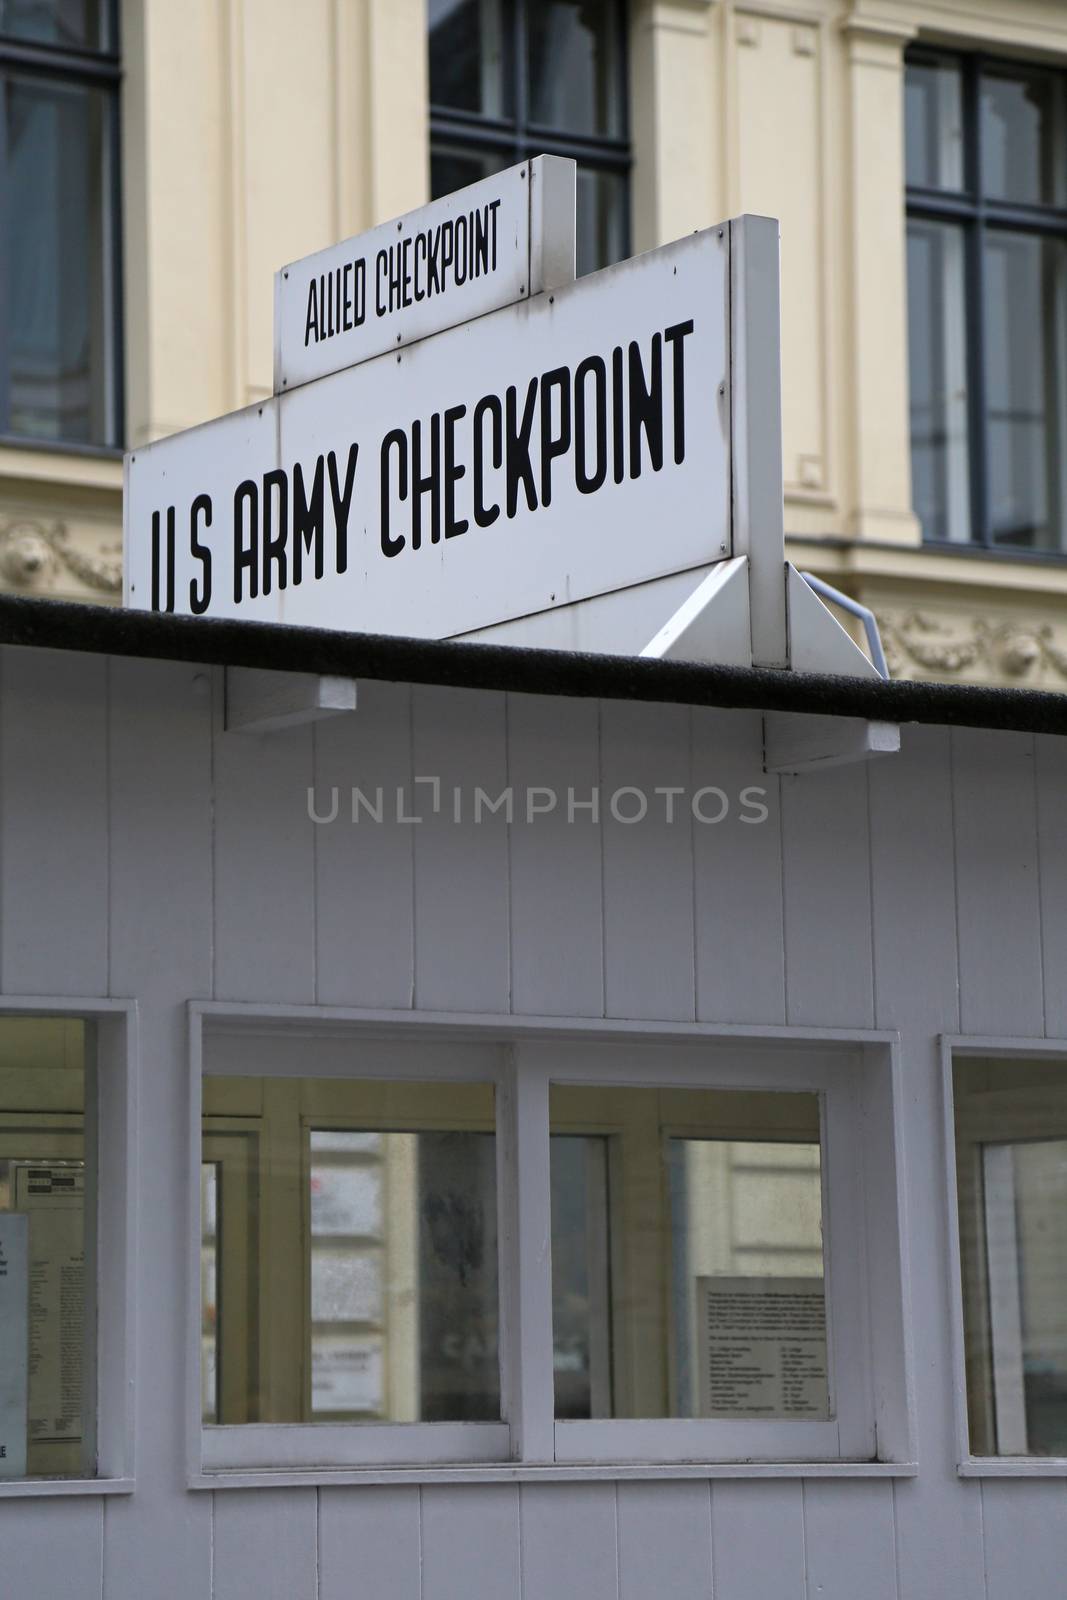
527	1066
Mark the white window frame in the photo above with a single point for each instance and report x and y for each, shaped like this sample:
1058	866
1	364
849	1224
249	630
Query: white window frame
110	1154
856	1073
956	1047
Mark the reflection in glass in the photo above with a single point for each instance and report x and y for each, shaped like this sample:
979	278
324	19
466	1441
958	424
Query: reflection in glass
55	237
1013	1240
937	372
687	1265
470	51
601	238
933	123
1024	135
209	1292
67	24
574	68
1025	332
452	169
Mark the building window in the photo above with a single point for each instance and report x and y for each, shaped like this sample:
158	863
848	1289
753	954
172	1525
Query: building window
1010	1119
516	78
59	223
986	160
373	1214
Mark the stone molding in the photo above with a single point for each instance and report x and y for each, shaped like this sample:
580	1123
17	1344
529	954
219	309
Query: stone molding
1013	651
39	556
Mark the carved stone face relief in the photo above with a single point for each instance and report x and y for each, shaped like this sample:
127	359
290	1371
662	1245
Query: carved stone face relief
37	556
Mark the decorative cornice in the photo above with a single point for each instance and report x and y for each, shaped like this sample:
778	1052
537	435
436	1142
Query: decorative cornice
1006	650
35	554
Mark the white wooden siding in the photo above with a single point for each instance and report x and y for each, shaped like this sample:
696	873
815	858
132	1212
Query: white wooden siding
144	853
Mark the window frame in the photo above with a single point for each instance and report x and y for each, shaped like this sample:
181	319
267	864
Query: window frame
959	1047
99	68
111	1148
977	214
516	138
859	1071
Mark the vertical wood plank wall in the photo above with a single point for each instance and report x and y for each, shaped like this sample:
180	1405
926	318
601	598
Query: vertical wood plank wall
145	853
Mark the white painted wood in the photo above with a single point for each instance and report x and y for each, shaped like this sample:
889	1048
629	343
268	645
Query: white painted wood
1005	1297
53	822
311	1447
817	641
569	1542
809	744
1051	775
826	884
264	866
364	898
525	1201
553	184
757	1541
998	902
461	891
585	1472
849	1541
470	1542
740	964
556	881
265	1546
648	864
621	622
1024	1529
712	624
52	1551
755	403
261	702
158	1541
369	1543
664	1540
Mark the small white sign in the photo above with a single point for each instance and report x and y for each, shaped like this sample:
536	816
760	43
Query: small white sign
14	1342
53	1198
468	253
763	1347
571	445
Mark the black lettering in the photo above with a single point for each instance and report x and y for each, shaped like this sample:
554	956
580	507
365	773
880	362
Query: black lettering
275	538
448	249
392	545
163	601
489	405
426	483
346	297
480	248
420	240
646	406
342	502
405	253
381	266
453	526
459	273
360	296
676	337
554	444
245	558
494	206
618	420
434	286
309	519
311	321
517	447
589	482
199	602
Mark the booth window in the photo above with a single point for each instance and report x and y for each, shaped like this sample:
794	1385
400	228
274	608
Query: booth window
47	1295
372	1216
986	160
510	79
60	291
1011	1172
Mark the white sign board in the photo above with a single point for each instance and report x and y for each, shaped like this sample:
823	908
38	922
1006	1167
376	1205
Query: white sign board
487	246
564	447
14	1339
763	1347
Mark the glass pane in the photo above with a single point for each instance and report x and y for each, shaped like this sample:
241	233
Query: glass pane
933	124
69	24
1024	136
574	60
54	223
601	201
452	169
1025	330
1013	1237
209	1292
471	65
46	1305
937	372
366	1250
689	1278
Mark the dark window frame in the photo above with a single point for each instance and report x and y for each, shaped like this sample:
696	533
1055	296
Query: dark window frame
978	214
519	138
99	68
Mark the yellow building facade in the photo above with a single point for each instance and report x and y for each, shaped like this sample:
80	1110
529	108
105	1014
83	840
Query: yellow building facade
256	131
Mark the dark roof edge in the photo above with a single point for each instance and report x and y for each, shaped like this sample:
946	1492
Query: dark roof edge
107	630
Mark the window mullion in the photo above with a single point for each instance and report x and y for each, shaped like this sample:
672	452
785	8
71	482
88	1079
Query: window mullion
524	1188
975	312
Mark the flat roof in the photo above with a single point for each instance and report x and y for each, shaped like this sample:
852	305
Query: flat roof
108	630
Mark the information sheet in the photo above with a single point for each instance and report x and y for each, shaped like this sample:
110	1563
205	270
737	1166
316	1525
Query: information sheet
763	1347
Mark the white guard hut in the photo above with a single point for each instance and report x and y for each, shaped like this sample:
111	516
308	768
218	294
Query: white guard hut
579	1112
